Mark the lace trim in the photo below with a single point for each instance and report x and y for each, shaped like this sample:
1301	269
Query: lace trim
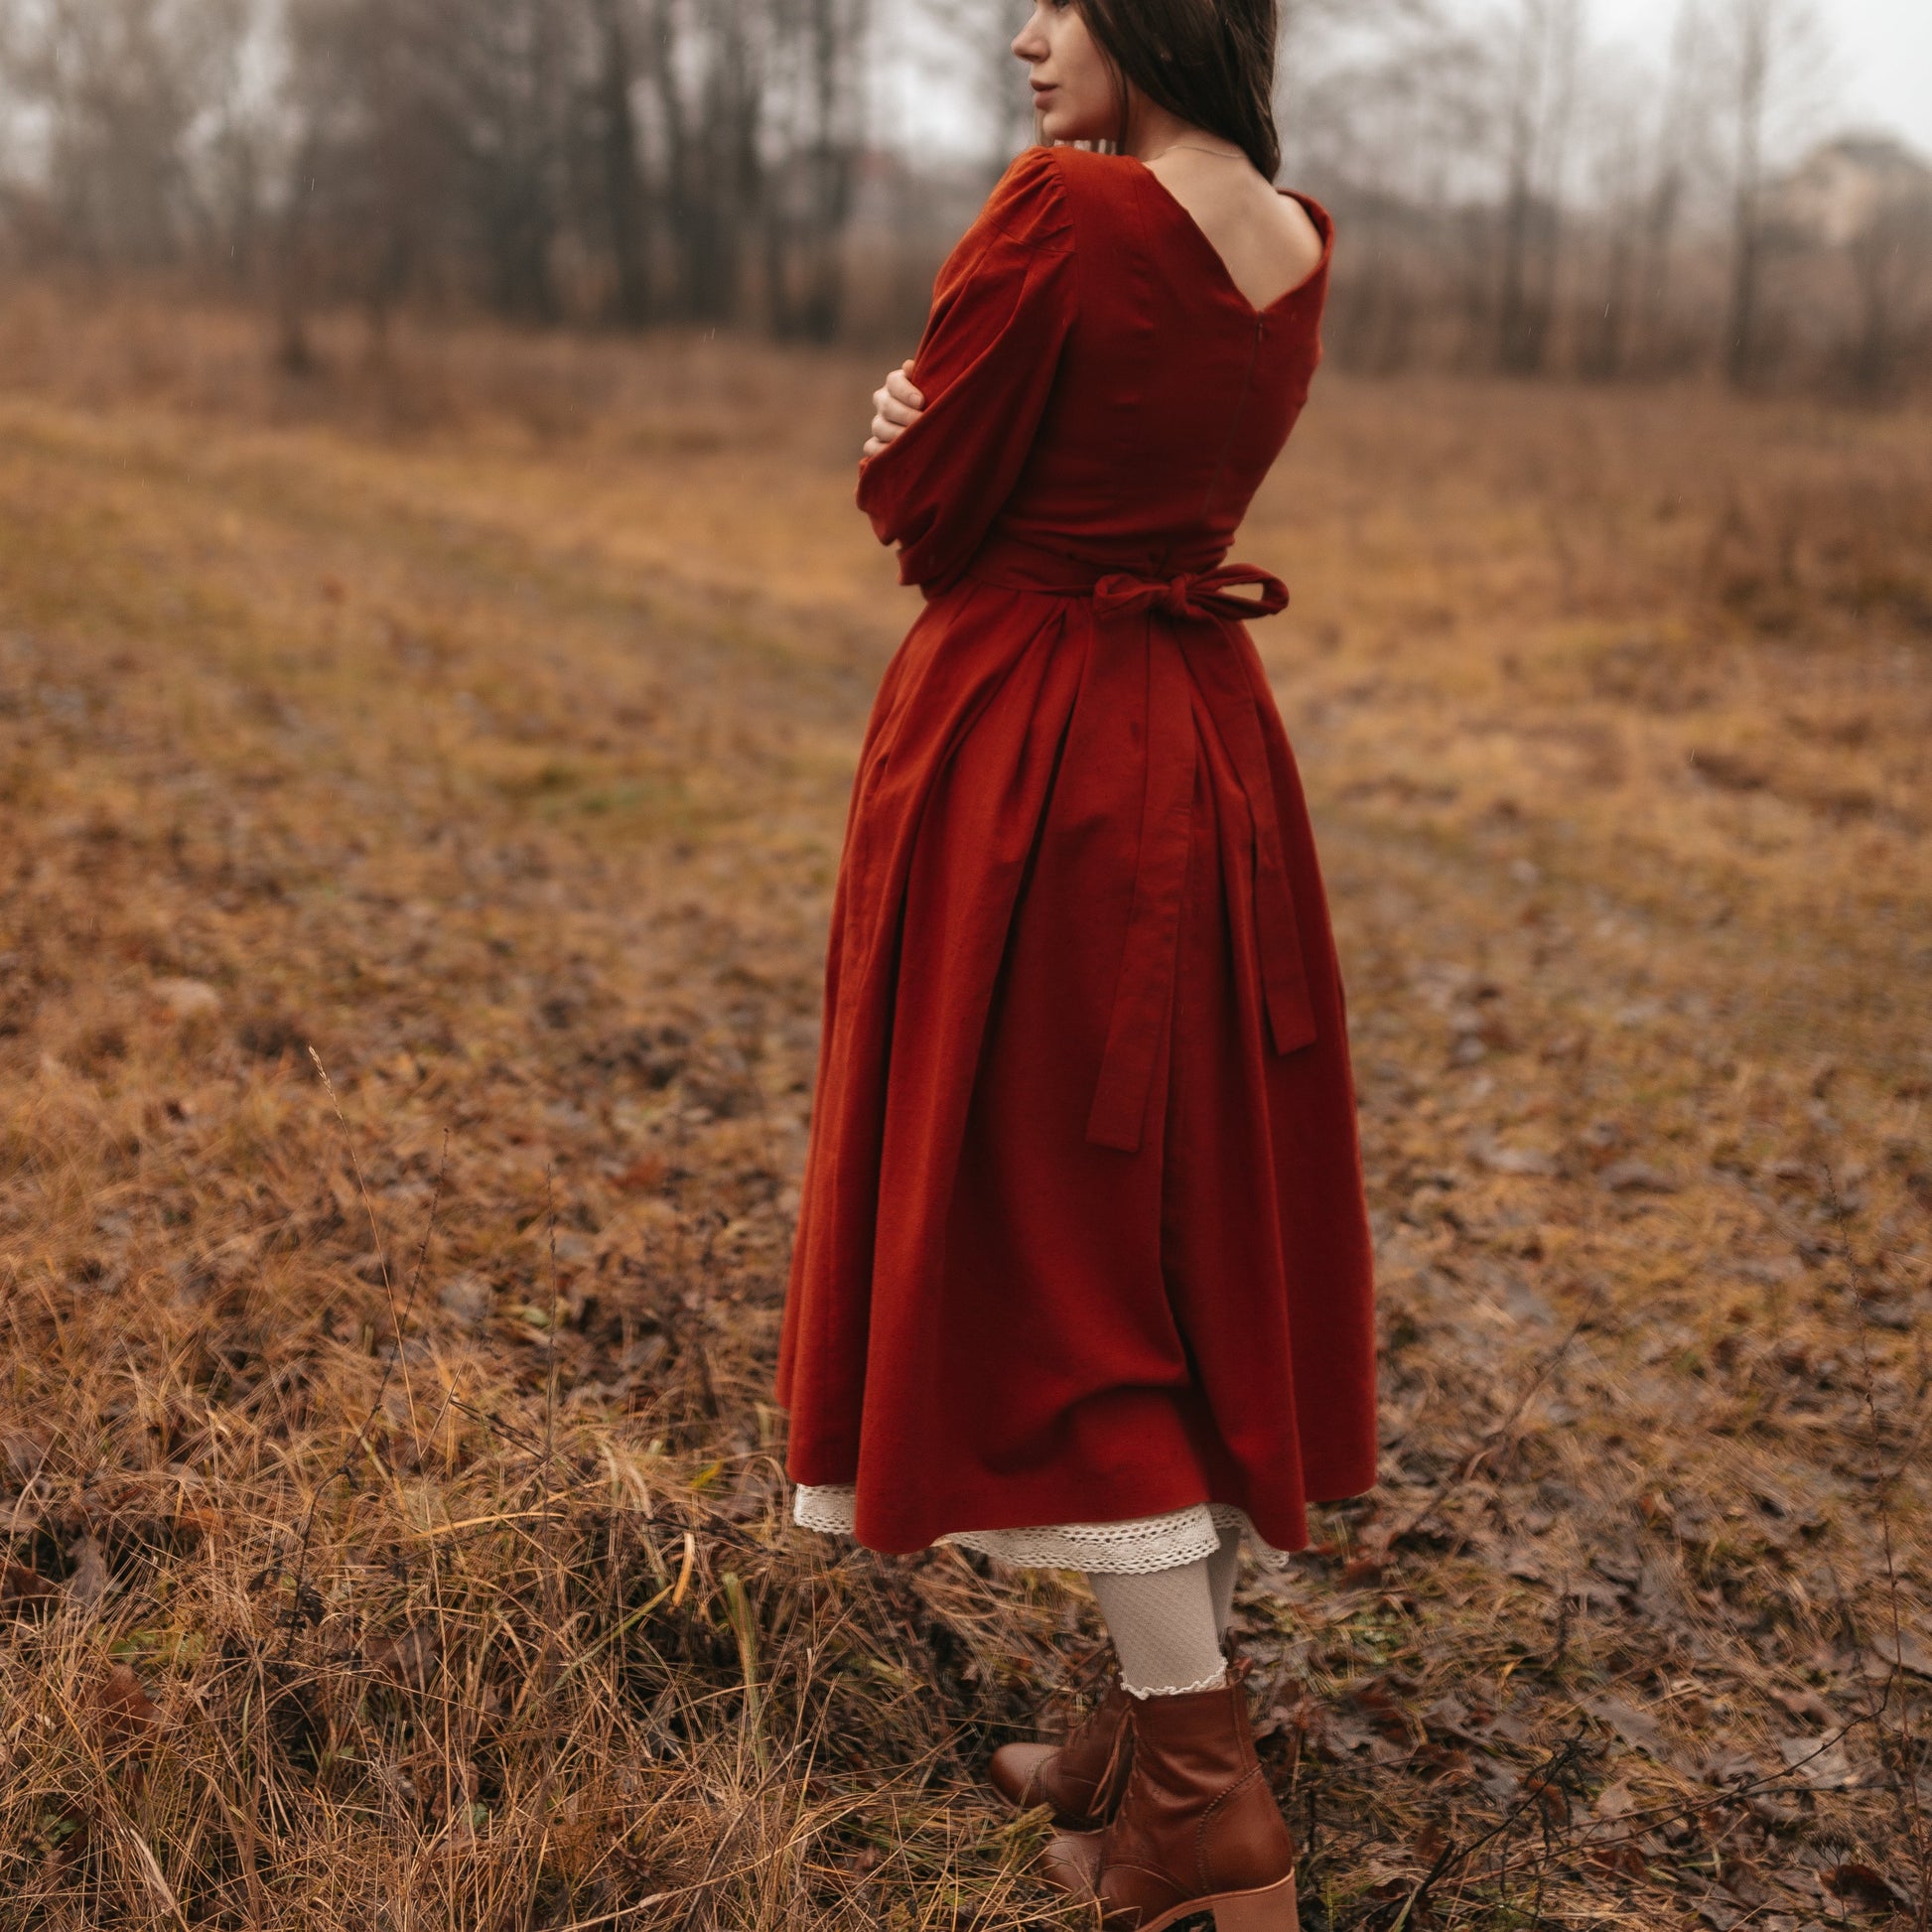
1133	1547
1214	1683
831	1508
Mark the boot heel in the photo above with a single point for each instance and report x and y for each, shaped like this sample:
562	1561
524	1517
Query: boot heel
1273	1910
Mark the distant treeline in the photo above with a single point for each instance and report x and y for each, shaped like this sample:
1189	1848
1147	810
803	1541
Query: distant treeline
629	161
1514	196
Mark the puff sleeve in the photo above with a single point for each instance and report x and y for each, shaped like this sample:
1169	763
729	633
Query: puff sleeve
1002	311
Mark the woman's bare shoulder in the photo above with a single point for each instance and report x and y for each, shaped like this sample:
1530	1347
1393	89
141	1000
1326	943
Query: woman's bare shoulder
1304	241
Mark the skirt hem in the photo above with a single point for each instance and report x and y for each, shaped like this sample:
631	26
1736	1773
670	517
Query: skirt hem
1136	1547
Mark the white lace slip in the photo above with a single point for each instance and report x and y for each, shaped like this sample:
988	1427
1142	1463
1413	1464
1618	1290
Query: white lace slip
1134	1548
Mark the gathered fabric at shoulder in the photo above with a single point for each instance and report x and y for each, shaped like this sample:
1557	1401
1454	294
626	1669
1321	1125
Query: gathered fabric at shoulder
1028	205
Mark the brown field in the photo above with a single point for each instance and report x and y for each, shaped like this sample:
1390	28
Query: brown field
396	1530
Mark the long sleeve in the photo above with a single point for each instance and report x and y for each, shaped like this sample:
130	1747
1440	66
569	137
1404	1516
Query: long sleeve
1000	314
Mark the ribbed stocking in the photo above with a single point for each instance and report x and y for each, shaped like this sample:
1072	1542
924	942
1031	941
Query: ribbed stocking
1221	1568
1163	1627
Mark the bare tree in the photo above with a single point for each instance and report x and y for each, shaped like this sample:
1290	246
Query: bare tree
1540	80
1384	111
707	86
819	98
1772	54
370	180
625	196
1614	124
1867	198
1674	158
139	101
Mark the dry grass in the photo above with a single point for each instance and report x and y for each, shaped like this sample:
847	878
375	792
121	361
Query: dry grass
396	1530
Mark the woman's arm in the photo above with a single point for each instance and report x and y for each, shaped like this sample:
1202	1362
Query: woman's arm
1002	312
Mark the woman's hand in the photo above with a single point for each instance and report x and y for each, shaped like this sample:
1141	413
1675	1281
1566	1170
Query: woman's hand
897	407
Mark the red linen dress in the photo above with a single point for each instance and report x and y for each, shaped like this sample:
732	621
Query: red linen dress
1082	1234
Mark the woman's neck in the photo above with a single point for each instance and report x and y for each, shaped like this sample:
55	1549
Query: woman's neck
1152	131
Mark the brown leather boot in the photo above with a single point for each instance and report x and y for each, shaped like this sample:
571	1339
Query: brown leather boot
1197	1827
1081	1779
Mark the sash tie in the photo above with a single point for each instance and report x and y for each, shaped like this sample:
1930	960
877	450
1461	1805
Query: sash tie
1159	640
1206	594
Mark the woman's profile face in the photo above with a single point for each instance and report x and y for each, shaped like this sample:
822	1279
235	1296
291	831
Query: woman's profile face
1076	94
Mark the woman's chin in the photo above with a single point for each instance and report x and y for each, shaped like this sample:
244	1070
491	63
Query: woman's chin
1056	125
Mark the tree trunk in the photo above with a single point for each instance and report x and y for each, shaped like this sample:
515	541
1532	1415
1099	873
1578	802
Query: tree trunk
1747	245
625	203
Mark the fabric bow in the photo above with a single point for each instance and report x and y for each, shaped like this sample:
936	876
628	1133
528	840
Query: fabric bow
1203	593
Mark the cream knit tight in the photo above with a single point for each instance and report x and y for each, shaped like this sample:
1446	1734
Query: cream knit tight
1167	1625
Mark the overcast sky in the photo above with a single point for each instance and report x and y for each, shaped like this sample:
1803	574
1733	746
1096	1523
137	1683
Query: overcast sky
1882	79
1884	46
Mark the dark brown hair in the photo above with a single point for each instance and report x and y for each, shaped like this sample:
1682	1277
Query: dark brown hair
1211	62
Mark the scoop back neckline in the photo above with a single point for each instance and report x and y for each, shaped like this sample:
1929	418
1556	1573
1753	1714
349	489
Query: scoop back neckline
1316	212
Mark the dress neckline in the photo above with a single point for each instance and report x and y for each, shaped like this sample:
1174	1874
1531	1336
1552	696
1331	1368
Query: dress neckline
1316	214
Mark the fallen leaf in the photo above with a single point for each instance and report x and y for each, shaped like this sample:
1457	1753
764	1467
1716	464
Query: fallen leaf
1807	1706
184	1000
1905	1651
445	1787
467	1297
1863	1884
1302	1720
88	1583
1595	1595
197	1522
407	1658
1615	1800
1434	1762
1344	1738
24	1453
1498	1159
1477	1724
757	1489
1730	770
1742	1885
1819	1763
1621	1855
1635	1178
1636	1728
1895	1316
1383	1710
127	1713
21	1588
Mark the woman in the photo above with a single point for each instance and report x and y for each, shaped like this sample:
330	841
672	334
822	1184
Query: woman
1083	1275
